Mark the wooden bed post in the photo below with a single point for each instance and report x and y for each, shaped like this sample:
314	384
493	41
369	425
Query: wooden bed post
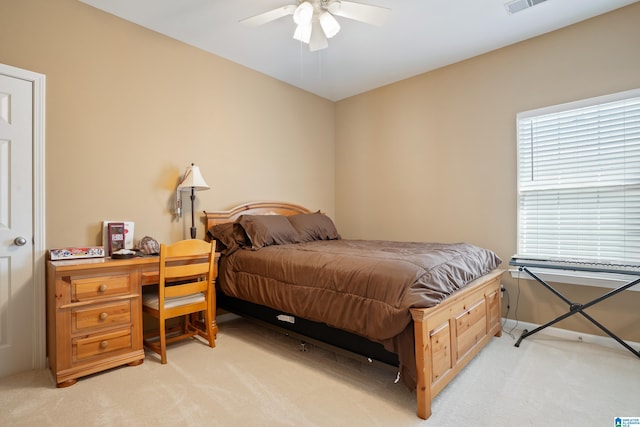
423	364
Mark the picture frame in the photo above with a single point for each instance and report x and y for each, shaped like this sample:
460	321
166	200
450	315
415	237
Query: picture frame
128	234
116	236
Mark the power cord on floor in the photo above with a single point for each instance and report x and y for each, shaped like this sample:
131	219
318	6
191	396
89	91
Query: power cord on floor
515	313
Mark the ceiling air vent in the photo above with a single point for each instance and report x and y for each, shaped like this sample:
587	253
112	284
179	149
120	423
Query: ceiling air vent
518	5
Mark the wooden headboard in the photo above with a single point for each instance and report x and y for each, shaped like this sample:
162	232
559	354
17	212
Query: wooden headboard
253	208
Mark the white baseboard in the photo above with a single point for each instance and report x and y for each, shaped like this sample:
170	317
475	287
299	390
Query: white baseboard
604	341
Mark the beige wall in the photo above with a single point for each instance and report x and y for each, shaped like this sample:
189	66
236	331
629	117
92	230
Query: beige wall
127	110
433	157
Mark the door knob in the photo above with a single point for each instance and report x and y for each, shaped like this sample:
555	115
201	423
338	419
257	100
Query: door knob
20	241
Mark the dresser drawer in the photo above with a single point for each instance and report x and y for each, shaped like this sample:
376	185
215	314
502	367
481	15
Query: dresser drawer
99	316
84	348
88	288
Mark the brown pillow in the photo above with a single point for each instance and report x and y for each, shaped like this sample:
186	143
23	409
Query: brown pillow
314	226
267	230
230	237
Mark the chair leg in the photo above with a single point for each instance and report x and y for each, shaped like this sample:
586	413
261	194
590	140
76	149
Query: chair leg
163	341
208	318
186	323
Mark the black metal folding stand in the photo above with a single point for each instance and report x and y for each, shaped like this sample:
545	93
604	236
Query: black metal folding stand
578	308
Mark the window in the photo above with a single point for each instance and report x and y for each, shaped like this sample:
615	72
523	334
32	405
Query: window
579	180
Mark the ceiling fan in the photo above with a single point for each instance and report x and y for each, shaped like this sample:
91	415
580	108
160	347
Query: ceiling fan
315	19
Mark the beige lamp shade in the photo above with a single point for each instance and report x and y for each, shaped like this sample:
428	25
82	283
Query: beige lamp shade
193	179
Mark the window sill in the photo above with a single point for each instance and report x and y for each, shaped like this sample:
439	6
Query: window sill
583	278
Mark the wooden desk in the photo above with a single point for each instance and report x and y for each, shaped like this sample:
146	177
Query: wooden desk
94	314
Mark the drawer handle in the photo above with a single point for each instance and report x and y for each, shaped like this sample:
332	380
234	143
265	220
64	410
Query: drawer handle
102	287
104	344
103	315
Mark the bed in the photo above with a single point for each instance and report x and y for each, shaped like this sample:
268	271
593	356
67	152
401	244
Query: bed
322	287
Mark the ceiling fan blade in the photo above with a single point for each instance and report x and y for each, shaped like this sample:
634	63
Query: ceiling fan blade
269	16
367	13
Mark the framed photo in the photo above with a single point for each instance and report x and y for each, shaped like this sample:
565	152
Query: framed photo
116	235
128	234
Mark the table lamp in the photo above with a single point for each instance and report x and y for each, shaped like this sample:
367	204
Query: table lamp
192	180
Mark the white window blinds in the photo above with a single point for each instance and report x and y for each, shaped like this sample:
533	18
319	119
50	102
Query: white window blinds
579	181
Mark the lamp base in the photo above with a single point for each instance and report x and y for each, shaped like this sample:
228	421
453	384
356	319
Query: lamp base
193	224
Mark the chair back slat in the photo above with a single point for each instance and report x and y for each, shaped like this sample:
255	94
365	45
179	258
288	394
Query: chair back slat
185	289
171	272
187	248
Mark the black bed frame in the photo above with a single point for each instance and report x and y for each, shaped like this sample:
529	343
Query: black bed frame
315	333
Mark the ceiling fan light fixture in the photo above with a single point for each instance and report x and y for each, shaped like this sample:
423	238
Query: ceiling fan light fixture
316	21
303	14
303	33
318	39
329	24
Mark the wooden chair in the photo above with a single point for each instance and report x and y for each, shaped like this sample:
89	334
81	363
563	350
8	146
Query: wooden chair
185	287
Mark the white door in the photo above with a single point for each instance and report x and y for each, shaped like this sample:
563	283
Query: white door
16	226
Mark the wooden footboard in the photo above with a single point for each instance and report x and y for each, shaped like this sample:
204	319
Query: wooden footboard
450	334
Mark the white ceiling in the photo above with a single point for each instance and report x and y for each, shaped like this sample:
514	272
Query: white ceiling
419	36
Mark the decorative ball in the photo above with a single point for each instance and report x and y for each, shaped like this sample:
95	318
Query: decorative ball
149	246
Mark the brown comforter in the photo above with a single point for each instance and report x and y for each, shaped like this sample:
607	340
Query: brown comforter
361	286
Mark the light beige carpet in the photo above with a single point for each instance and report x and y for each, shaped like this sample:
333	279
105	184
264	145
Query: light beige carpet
257	377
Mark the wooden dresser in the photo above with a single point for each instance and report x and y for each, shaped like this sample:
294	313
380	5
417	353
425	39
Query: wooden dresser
94	316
